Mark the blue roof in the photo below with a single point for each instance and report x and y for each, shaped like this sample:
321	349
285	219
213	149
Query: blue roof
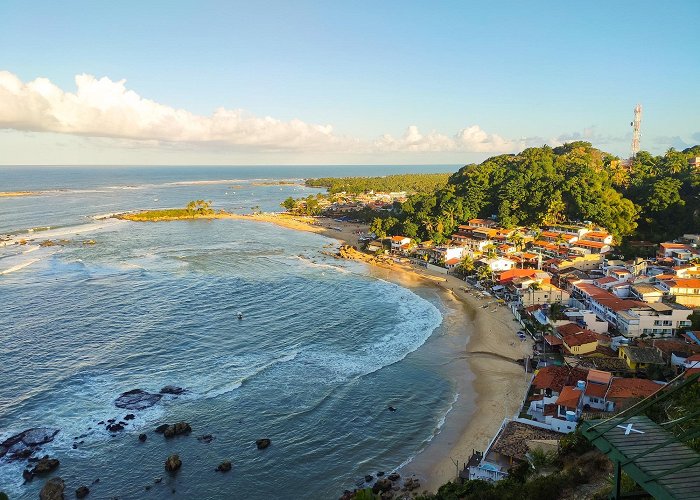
693	337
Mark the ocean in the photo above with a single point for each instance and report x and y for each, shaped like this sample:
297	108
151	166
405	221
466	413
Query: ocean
323	349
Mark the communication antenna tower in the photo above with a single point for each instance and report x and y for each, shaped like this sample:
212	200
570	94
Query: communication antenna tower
636	129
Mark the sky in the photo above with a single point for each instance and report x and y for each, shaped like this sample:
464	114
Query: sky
362	82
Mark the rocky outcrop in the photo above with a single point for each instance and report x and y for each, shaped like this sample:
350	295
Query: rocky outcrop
129	416
207	438
45	465
82	492
142	437
177	429
161	428
52	489
137	399
115	427
394	476
382	485
411	484
224	466
173	463
22	445
171	389
263	443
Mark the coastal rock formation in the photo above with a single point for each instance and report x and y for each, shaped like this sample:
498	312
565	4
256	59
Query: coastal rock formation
177	429
171	389
29	439
173	463
45	465
27	475
394	476
115	427
381	486
263	443
224	466
369	478
207	438
52	489
82	492
161	428
142	437
129	416
136	399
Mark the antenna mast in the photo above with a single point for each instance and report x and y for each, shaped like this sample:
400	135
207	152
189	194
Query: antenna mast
636	129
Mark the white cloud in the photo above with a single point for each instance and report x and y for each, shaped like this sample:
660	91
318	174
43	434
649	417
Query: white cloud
471	139
103	108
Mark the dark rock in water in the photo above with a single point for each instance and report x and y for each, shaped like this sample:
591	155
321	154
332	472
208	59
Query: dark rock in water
137	399
142	437
52	489
115	427
161	428
369	478
101	422
111	420
46	465
394	476
391	408
224	466
147	487
129	416
263	443
82	492
157	480
96	481
21	454
171	389
381	486
380	474
75	446
121	422
177	429
27	475
207	438
31	438
173	463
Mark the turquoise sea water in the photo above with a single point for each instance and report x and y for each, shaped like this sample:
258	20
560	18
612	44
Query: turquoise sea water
322	351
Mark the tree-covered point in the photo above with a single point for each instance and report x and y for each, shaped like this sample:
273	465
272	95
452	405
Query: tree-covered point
411	183
196	208
651	197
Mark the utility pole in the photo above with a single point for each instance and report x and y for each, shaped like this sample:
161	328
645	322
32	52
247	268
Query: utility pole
636	129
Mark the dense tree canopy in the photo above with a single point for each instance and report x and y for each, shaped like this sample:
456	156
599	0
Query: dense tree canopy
653	198
411	183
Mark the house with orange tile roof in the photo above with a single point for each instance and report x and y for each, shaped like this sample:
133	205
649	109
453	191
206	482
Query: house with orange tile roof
597	384
679	253
685	290
624	392
399	242
482	223
583	342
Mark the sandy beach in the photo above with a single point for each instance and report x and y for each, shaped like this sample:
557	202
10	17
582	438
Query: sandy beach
490	352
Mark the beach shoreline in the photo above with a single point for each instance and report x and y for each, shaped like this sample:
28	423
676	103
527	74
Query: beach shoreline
490	352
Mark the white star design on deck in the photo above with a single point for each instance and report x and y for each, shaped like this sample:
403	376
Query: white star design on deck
628	428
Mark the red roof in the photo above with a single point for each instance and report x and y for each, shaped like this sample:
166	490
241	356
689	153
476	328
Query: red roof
599	376
556	377
569	397
592	244
509	275
581	338
451	262
685	282
596	234
627	388
608	299
552	340
596	390
569	329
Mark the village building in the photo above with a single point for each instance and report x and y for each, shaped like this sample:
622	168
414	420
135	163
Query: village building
640	358
508	448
